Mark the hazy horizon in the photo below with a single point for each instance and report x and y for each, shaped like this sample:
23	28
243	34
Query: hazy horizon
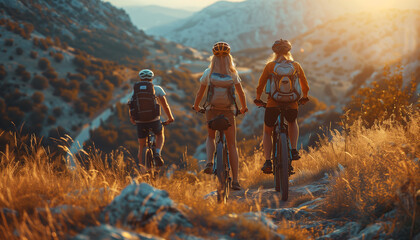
177	4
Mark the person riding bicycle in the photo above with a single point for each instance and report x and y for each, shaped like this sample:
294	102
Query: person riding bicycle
221	78
283	58
150	97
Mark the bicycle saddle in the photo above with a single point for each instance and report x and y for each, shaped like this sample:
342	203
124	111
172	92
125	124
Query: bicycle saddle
219	123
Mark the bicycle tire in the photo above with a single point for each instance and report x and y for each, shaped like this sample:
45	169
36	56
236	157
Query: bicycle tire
284	166
220	173
148	159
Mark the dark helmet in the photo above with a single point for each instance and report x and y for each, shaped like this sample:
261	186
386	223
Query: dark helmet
281	46
221	49
146	74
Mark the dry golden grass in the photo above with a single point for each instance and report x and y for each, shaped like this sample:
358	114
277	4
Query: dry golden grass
379	174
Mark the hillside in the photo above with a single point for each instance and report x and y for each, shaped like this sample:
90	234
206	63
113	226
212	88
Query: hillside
341	55
145	17
248	24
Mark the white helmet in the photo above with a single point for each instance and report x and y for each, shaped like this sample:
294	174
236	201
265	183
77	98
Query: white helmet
146	74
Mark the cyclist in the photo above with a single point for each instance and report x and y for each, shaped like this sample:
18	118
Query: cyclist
152	116
281	52
222	79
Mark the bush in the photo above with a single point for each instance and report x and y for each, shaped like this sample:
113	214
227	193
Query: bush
8	42
38	97
50	73
43	63
58	57
25	105
51	120
19	70
78	76
81	61
40	82
33	54
383	100
15	115
19	51
25	76
3	72
57	112
68	95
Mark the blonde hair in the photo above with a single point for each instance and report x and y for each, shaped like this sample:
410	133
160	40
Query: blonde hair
223	62
277	56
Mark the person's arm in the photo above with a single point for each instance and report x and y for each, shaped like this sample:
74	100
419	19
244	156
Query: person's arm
199	96
166	109
262	81
303	81
241	94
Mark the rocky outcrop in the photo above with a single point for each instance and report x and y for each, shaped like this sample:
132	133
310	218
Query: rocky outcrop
107	232
141	204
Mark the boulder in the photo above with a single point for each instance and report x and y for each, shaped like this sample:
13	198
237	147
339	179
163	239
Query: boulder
107	232
348	230
374	231
141	204
291	214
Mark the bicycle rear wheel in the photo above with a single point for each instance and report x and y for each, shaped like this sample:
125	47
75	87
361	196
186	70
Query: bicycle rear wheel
148	160
221	173
284	166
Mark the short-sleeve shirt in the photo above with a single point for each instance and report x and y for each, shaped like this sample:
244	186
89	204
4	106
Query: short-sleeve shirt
159	92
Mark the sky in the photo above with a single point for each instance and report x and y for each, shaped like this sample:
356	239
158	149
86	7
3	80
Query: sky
180	4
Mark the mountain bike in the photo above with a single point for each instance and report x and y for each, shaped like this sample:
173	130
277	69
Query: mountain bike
149	150
281	153
221	166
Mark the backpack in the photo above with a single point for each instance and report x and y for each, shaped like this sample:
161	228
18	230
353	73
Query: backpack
284	85
143	105
221	91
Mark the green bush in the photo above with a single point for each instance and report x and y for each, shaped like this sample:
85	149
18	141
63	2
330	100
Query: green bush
33	54
19	51
25	76
58	57
20	69
57	112
51	120
38	97
39	82
43	63
50	73
3	72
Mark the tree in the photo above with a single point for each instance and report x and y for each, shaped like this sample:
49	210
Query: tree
33	54
58	57
3	72
38	97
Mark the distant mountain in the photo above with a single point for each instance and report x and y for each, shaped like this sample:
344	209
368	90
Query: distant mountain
248	24
145	17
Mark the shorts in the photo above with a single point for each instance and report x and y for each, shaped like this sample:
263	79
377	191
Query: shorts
143	128
229	114
271	114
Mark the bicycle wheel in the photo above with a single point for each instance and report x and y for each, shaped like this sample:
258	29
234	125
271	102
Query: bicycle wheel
284	166
221	174
148	160
276	162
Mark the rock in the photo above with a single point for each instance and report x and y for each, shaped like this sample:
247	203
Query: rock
107	232
371	232
348	230
141	204
311	204
288	213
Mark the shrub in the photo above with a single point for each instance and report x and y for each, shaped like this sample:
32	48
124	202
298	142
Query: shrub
8	42
33	54
78	76
43	63
58	57
19	51
68	95
25	105
25	76
38	97
57	111
50	73
3	72
39	82
51	120
11	58
20	69
98	75
15	115
383	100
81	61
36	118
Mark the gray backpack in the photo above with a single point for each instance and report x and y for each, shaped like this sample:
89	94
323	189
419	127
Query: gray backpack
221	91
284	85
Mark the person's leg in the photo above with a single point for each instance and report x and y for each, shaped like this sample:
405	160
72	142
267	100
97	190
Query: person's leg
160	141
142	143
210	145
267	141
233	150
293	133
